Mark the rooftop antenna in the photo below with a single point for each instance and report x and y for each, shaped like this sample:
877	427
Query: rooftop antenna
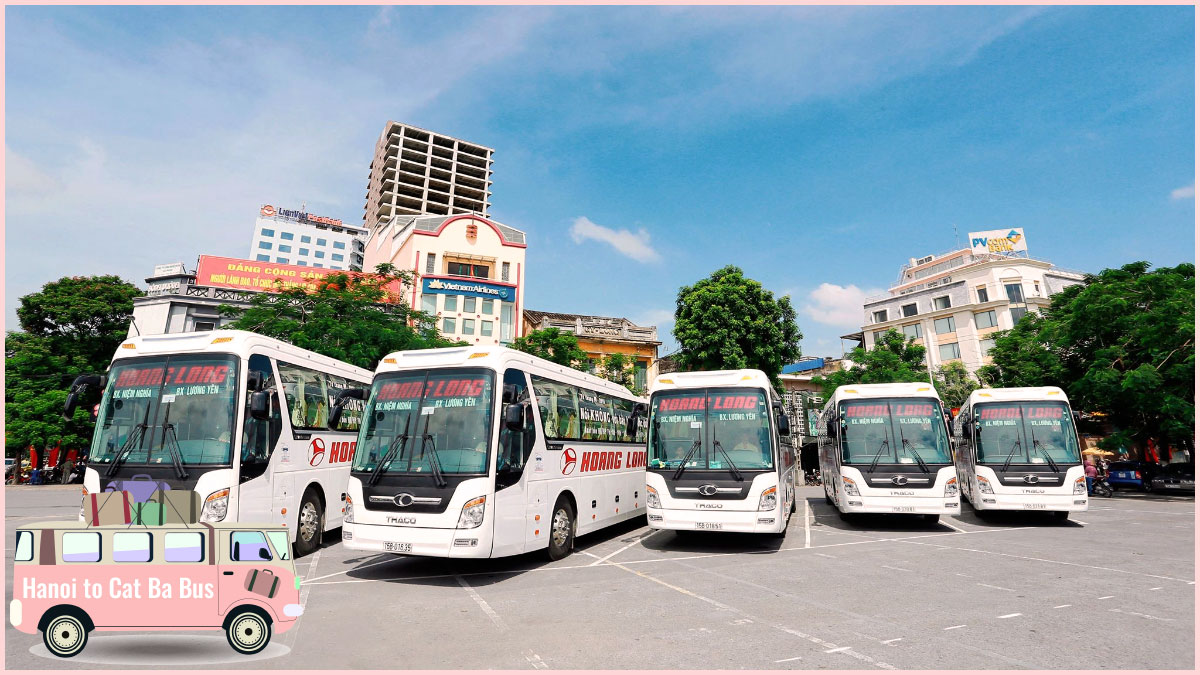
957	241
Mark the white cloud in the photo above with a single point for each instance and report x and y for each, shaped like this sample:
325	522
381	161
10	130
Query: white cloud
838	305
1185	192
634	245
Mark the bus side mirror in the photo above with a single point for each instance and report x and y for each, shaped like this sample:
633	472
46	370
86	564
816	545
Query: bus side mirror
80	385
255	380
260	405
783	424
335	413
510	394
631	425
514	417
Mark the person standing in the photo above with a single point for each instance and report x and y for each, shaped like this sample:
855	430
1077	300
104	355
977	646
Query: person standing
1089	470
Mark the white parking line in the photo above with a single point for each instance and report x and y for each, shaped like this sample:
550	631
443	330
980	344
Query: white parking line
807	530
888	642
1060	606
832	557
999	588
1073	520
794	658
908	540
535	660
952	526
836	650
487	609
1008	616
1106	597
961	625
898	569
627	546
360	567
1157	588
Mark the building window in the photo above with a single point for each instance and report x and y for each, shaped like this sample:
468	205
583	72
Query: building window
282	260
986	345
450	304
879	317
321	242
506	322
319	254
317	265
912	330
286	235
1037	290
448	325
469	305
944	325
468	326
429	303
985	319
285	248
303	251
262	257
429	261
466	270
268	233
305	239
982	293
204	325
909	310
941	303
503	271
485	328
947	352
488	307
335	267
1014	293
1017	313
877	335
264	245
341	245
338	257
301	263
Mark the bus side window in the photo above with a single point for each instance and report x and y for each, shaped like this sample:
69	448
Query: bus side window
260	436
515	446
24	552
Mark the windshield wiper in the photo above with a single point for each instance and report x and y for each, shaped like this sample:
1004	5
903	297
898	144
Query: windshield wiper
435	465
1008	460
732	468
920	462
875	462
1037	445
683	462
398	444
173	447
131	441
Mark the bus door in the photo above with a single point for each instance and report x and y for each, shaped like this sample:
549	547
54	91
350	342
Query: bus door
514	478
250	570
257	502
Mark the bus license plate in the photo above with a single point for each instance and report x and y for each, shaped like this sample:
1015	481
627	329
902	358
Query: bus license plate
708	526
1035	506
397	547
903	509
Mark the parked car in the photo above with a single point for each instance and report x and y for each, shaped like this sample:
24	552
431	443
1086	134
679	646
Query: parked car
1135	475
1175	478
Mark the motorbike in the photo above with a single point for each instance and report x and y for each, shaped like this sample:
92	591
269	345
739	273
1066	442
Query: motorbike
1100	487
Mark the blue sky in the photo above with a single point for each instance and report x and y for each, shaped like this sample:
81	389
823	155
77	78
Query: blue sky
639	148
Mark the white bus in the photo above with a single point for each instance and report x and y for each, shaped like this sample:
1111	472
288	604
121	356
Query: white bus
1018	450
884	449
239	418
719	455
477	452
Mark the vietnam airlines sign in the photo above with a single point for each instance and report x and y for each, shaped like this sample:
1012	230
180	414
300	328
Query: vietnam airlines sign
477	289
999	241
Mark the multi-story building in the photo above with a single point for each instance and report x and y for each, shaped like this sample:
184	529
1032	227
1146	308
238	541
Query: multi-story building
299	238
603	336
469	272
418	172
952	303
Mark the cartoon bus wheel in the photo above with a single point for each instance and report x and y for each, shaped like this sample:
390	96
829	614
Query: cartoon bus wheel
65	633
248	630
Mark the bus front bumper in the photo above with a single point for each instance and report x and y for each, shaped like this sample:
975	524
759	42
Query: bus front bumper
892	504
1024	502
714	520
424	541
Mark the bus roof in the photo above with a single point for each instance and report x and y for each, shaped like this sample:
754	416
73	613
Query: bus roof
1016	394
238	342
496	358
84	527
851	391
711	378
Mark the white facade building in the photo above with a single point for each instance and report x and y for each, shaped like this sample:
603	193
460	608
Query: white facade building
469	272
953	303
300	238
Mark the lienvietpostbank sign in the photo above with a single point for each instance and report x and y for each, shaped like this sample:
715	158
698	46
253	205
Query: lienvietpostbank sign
477	289
999	241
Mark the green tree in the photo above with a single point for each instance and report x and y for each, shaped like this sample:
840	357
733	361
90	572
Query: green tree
954	384
893	359
1024	357
554	345
618	368
727	321
347	317
70	327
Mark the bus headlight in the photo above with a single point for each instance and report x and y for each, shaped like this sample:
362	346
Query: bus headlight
216	507
985	486
952	487
849	486
349	517
768	500
472	513
652	498
1080	486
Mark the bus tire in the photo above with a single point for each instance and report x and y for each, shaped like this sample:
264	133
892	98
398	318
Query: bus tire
310	523
562	529
66	631
248	630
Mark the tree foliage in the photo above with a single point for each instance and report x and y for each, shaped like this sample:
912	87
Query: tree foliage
953	383
70	327
558	346
347	317
1122	344
893	359
727	321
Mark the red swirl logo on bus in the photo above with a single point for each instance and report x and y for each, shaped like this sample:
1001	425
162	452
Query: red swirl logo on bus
568	461
316	451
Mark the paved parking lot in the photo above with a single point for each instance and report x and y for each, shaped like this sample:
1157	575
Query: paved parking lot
1113	588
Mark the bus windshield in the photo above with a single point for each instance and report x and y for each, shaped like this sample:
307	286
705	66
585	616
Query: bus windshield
1031	432
438	420
156	408
718	428
896	430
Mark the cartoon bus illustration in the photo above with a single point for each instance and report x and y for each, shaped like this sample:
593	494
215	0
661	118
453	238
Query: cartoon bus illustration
70	578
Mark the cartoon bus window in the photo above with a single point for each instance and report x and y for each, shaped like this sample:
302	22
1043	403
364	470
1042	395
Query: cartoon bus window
132	546
81	547
184	547
24	546
250	546
280	541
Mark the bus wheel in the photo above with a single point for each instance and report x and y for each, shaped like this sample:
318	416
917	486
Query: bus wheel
310	524
248	631
65	635
827	499
562	530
